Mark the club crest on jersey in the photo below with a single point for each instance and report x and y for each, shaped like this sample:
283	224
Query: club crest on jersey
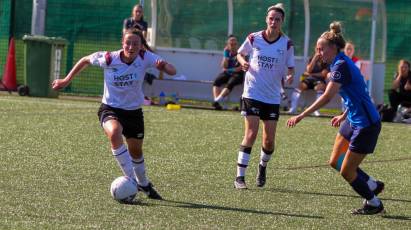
281	52
336	75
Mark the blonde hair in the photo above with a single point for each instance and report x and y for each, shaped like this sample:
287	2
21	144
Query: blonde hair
279	7
334	35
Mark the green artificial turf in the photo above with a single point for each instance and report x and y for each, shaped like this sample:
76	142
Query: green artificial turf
56	169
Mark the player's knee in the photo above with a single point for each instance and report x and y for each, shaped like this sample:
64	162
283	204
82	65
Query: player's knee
268	144
114	133
251	135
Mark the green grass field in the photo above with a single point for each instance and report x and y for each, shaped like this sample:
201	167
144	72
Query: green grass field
56	168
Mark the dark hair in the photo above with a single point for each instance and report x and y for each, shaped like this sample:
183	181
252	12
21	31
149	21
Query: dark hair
138	6
405	62
231	36
334	35
279	7
140	34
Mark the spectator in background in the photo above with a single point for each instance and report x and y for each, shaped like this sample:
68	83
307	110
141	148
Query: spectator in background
400	93
136	20
232	74
349	50
313	78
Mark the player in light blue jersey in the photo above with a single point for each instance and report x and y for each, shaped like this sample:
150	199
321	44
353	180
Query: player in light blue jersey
359	125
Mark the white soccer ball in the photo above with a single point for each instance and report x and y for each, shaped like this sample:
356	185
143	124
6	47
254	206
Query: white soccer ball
123	189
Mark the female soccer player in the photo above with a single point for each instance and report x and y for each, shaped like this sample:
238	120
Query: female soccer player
363	126
120	113
271	55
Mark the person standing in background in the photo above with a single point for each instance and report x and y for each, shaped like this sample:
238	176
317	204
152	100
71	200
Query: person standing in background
136	20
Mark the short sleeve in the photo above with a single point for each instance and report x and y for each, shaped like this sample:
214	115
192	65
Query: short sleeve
290	55
340	73
101	59
247	46
226	53
126	24
151	59
144	25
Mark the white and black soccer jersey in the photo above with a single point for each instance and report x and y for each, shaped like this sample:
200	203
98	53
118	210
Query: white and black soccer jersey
123	82
269	62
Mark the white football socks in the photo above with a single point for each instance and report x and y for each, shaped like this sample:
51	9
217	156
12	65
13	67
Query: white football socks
372	184
243	159
218	99
140	171
295	96
375	202
124	160
264	158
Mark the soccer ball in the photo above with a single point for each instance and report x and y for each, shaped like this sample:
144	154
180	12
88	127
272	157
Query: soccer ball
123	189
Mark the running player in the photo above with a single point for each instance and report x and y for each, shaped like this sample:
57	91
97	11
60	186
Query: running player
120	113
271	57
360	131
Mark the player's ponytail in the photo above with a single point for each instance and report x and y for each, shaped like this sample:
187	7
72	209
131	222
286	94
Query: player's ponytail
334	35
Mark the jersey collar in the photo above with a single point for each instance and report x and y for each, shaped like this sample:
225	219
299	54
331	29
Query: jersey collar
339	56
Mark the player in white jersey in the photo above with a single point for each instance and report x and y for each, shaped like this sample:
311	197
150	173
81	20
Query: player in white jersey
120	113
271	57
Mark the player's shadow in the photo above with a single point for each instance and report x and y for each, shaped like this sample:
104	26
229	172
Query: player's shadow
190	205
287	191
403	218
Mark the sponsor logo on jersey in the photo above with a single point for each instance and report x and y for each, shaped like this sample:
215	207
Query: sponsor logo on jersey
124	80
266	62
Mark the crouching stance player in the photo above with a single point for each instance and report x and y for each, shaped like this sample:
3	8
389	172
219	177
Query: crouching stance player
120	113
360	131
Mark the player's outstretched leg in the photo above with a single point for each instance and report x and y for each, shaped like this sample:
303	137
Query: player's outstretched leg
372	204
